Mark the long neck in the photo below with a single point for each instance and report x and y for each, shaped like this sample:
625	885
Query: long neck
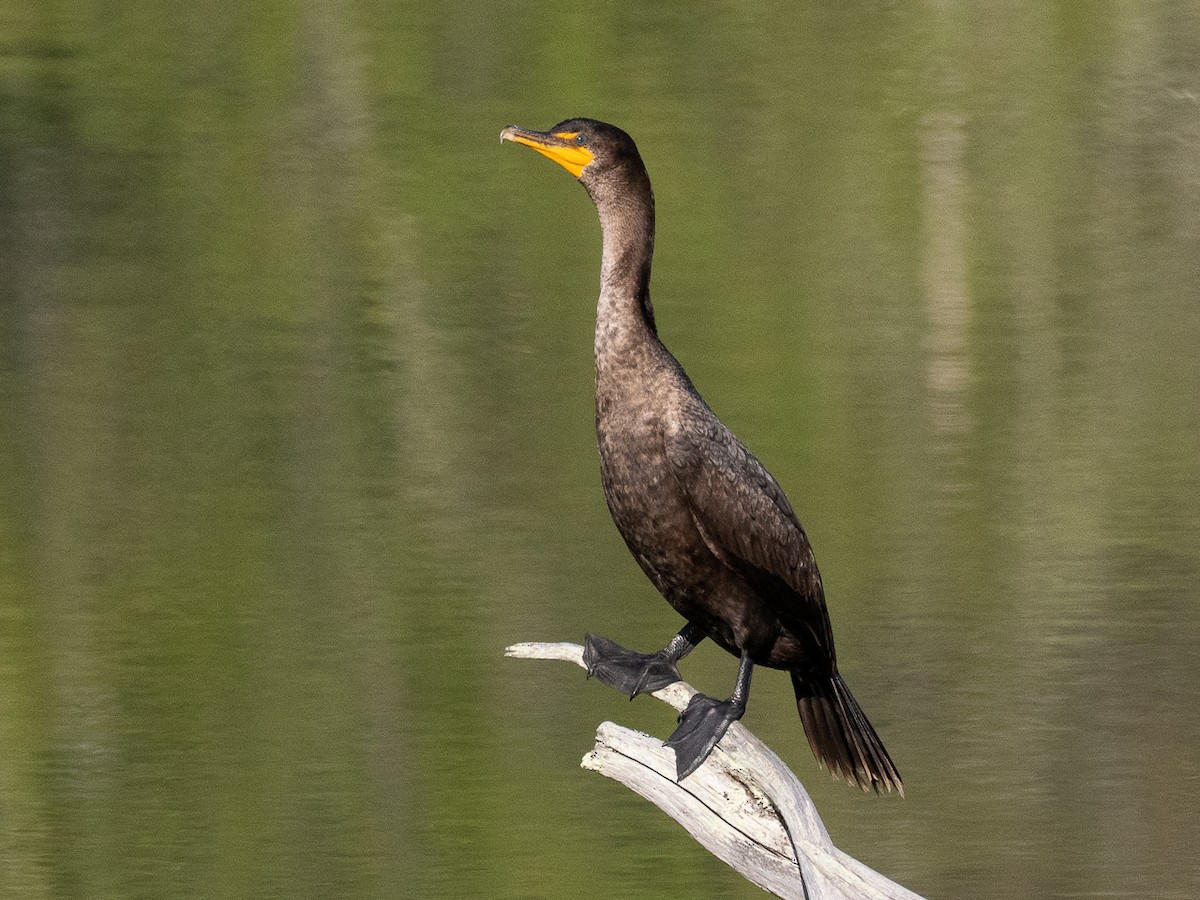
624	316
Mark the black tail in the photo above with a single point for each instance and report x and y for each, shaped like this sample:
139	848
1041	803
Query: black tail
840	736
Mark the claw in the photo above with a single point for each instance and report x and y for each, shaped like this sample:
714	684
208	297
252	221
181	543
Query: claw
701	727
628	671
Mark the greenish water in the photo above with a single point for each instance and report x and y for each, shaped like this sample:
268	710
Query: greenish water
296	434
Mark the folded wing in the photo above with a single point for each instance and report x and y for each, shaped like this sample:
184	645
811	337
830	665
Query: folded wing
749	525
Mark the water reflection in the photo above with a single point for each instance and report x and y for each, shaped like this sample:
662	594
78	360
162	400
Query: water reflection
945	269
295	435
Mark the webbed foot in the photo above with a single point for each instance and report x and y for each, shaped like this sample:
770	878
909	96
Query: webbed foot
701	727
628	671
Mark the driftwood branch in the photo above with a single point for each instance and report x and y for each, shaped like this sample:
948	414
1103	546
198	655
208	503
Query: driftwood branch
743	804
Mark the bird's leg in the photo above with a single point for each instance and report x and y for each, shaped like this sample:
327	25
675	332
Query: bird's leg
635	673
705	722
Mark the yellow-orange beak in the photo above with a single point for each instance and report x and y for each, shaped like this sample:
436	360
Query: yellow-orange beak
560	147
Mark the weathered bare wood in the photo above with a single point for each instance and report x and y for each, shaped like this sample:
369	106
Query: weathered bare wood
743	805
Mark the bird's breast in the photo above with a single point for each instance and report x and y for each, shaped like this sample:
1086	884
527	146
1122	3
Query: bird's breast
647	503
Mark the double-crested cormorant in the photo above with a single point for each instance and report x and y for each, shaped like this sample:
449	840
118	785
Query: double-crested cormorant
703	518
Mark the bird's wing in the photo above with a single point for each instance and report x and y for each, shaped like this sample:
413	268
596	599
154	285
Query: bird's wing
747	522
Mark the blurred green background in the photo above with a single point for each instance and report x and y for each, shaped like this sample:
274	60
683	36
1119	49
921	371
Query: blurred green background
296	433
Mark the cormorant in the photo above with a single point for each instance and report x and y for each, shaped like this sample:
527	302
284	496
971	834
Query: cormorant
703	518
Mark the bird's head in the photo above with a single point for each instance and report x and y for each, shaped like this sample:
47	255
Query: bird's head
591	151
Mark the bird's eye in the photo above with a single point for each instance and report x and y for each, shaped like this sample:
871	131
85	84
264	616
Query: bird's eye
580	139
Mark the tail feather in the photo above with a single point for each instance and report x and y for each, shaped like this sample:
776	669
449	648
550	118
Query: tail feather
840	735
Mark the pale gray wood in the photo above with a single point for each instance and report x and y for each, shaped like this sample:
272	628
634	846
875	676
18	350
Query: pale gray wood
743	804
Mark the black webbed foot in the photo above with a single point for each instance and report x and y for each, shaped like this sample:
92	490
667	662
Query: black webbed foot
630	672
701	727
